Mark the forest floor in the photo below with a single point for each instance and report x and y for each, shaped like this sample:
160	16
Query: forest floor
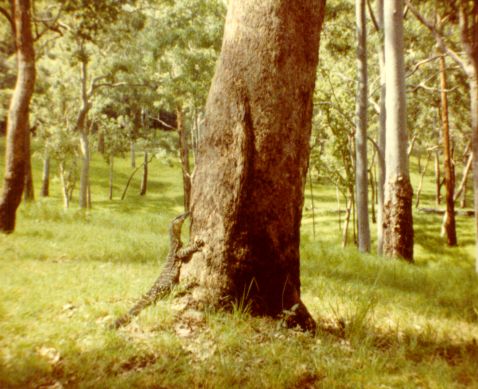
66	274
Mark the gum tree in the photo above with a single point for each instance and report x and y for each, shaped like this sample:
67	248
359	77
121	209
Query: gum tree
17	122
398	220
248	187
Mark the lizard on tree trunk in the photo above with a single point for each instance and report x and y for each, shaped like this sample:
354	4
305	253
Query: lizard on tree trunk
169	276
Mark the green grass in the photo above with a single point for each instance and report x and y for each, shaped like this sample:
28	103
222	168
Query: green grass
66	274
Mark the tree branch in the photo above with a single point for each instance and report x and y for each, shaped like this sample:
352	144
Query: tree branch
5	13
372	16
438	37
423	62
380	158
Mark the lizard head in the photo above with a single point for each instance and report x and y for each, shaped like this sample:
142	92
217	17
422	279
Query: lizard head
177	224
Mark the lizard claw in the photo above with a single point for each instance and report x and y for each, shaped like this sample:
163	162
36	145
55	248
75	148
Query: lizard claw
198	242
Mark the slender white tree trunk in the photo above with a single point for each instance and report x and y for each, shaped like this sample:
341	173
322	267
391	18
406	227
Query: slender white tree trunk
361	171
398	220
381	132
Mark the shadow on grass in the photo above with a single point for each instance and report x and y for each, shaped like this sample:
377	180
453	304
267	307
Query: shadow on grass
417	347
138	203
456	292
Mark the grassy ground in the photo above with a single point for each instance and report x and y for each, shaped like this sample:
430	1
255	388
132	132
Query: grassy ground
382	324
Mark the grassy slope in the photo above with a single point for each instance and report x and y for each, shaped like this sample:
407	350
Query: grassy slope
66	274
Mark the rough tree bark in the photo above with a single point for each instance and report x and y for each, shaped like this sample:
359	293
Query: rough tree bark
361	171
248	187
398	221
449	224
17	121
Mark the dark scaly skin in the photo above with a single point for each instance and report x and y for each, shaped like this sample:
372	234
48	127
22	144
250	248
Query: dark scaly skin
170	274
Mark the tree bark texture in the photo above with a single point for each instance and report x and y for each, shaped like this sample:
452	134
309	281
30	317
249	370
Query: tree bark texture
248	187
398	221
449	225
17	121
184	156
361	170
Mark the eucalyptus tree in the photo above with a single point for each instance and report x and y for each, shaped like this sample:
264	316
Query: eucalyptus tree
248	187
398	220
84	24
17	122
464	13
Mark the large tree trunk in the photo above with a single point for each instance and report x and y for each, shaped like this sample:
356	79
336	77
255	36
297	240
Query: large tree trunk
17	122
449	225
398	221
184	156
361	170
248	188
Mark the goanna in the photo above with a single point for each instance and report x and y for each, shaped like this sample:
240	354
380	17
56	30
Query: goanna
169	276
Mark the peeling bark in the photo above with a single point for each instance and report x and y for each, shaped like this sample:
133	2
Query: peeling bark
398	226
